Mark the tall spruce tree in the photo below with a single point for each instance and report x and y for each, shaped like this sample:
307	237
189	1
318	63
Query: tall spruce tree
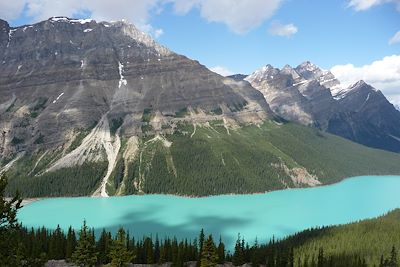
238	254
393	258
201	242
85	252
70	243
221	251
119	254
209	256
8	226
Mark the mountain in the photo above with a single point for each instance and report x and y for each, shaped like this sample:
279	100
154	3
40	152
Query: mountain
311	96
369	239
237	77
369	118
100	108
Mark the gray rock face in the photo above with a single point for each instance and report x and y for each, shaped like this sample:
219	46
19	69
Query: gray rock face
310	96
367	117
293	96
64	74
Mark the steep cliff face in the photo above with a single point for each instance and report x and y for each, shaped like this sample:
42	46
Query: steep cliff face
367	117
279	88
311	96
78	97
296	94
64	74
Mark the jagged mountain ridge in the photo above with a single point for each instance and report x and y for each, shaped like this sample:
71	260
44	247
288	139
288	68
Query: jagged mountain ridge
112	66
311	96
99	108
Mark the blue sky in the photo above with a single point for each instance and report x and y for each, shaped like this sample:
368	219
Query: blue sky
239	36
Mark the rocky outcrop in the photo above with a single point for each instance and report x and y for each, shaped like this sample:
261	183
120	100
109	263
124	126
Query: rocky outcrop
311	96
64	74
367	117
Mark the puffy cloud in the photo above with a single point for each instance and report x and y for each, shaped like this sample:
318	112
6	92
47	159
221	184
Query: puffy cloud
221	70
383	74
137	11
361	5
10	10
158	33
240	16
279	29
395	39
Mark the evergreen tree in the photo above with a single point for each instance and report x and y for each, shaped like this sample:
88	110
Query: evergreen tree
119	254
209	256
85	252
57	245
393	258
8	226
321	259
103	247
221	251
238	255
70	243
201	243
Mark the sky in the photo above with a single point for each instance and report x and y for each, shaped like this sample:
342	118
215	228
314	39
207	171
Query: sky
355	39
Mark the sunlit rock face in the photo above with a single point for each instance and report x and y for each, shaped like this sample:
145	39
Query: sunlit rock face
63	75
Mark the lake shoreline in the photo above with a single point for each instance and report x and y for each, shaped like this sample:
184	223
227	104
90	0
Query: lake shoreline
27	201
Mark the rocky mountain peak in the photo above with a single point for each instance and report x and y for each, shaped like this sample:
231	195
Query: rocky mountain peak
288	70
309	70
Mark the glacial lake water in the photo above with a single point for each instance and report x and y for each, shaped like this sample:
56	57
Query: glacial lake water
277	213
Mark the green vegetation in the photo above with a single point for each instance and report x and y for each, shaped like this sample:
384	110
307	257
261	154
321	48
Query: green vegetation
16	141
252	159
115	124
237	106
181	113
368	239
75	181
77	140
9	227
147	115
38	106
217	111
212	161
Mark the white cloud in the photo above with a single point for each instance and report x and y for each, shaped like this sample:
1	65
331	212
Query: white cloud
382	74
395	39
361	5
221	70
279	29
240	16
158	33
10	10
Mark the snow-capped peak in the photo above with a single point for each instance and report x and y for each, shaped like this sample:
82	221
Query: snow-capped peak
66	19
267	72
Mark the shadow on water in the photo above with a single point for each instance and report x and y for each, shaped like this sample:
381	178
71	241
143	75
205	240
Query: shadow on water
141	223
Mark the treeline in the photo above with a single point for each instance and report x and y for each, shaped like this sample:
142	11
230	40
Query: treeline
35	247
74	181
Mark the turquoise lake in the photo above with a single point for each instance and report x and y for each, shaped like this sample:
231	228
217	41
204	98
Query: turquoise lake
277	213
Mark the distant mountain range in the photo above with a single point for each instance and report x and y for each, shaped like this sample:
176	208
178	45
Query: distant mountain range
99	108
313	97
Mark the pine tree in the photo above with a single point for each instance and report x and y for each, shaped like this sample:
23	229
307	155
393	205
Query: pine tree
221	251
209	256
85	252
8	226
321	259
238	255
57	244
119	254
393	258
103	247
201	242
70	243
